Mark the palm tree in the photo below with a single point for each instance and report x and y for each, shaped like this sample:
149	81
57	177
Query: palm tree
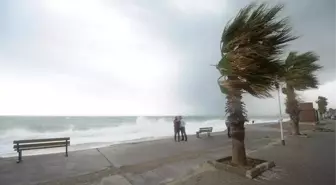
298	74
322	103
250	47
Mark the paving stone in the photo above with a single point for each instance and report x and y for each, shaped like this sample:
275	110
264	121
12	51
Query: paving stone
114	180
151	178
135	179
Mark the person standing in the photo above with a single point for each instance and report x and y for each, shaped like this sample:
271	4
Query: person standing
177	125
183	130
228	128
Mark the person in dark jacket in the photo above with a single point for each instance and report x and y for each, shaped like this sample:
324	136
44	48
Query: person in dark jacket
177	125
228	128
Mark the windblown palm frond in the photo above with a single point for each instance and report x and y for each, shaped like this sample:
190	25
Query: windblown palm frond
299	70
250	45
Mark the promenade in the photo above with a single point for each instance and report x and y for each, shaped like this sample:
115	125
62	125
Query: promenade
165	161
150	162
306	161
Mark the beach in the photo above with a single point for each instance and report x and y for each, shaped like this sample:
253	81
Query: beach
149	162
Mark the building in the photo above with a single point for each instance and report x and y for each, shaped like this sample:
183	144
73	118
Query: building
307	113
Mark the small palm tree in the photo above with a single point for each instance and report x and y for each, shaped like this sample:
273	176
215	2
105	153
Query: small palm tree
250	48
322	103
298	74
331	113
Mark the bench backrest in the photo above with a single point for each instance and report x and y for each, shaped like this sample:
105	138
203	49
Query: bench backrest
40	143
206	129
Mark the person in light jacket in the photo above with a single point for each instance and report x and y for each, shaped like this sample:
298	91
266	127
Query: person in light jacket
183	130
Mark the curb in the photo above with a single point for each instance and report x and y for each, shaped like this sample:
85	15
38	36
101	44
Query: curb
260	168
252	173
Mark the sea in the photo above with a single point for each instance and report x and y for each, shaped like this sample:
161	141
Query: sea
92	132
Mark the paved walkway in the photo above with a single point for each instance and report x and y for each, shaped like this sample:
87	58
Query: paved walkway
308	161
140	163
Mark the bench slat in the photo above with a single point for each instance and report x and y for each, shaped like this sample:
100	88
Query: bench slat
35	148
46	145
40	140
206	129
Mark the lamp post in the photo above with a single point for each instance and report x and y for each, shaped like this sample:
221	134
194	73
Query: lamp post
280	115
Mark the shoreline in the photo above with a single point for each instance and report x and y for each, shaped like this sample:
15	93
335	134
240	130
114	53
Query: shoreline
95	145
146	162
108	145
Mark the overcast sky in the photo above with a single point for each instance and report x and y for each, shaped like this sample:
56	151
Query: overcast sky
136	57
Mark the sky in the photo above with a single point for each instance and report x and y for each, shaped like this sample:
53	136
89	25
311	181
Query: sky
137	57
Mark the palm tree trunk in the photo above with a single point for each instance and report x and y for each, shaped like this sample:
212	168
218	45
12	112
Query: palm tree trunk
238	145
237	119
295	126
293	110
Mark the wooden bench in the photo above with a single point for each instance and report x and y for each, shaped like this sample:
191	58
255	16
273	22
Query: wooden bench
205	129
32	144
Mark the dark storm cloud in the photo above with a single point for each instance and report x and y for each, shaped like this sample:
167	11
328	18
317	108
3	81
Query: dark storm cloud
315	21
197	36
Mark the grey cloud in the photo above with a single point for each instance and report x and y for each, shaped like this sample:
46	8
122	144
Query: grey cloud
197	36
315	22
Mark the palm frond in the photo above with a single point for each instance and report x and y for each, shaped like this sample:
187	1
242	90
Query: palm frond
299	70
224	66
251	44
230	30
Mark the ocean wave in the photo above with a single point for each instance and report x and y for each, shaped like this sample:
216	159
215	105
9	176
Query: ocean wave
142	128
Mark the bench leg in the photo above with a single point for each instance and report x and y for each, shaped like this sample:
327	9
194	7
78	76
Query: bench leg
197	134
208	134
66	150
19	156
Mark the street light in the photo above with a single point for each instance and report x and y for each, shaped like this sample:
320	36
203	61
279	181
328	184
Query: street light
280	115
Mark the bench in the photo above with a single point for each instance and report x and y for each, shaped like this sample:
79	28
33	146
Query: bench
32	144
205	129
